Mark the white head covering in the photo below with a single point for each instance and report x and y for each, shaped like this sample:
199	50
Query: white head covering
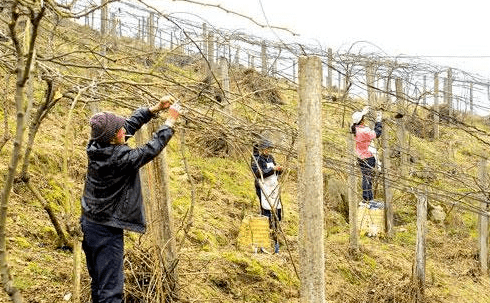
357	116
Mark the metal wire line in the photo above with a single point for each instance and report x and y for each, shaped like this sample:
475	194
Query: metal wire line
359	82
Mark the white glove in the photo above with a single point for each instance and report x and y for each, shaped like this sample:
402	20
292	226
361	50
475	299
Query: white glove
365	110
173	113
379	116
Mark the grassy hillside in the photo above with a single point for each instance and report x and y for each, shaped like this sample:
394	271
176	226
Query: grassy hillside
211	267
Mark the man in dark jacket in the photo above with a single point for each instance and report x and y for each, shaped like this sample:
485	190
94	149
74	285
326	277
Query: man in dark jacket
112	199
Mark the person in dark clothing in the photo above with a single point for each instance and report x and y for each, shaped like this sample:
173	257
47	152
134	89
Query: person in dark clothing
112	200
266	173
255	154
365	151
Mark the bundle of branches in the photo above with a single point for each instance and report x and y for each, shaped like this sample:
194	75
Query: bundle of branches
146	277
261	86
423	129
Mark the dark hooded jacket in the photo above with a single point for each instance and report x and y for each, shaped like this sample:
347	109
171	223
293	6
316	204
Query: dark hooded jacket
112	194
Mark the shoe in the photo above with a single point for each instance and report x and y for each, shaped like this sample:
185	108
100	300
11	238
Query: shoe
364	204
263	250
376	205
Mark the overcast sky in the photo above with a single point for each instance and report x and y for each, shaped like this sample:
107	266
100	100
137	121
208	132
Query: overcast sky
449	33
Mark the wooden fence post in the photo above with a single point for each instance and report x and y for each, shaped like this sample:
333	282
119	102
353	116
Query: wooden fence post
155	190
225	82
216	48
211	49
424	91
310	181
352	196
339	89
419	269
294	71
138	33
450	91
388	191
237	55
228	43
151	30
483	220
204	43
471	98
488	92
370	83
388	91
329	69
113	24
274	68
400	100
264	58
444	91
103	17
436	106
120	28
143	29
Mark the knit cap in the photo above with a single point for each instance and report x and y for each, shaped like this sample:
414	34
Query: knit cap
105	126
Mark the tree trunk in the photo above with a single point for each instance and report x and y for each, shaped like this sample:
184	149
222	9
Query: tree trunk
77	269
59	230
190	213
34	127
6	131
23	66
7	280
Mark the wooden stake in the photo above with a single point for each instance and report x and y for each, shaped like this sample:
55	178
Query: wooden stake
264	58
352	197
388	191
329	69
310	184
436	106
420	249
483	226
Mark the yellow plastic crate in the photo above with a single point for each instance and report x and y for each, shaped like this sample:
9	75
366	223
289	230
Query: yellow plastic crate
254	233
371	222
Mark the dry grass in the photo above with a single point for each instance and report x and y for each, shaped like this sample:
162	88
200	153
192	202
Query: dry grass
211	268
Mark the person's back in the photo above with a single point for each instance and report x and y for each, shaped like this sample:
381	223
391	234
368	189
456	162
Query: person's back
112	199
364	136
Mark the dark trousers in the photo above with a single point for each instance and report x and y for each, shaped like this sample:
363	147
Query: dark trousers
104	249
367	169
272	223
268	213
